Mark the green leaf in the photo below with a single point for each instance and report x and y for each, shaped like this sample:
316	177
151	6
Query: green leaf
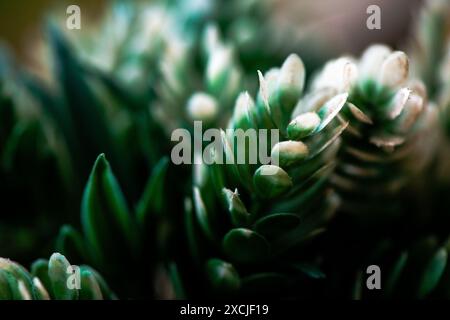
271	181
90	289
303	125
433	273
106	292
39	269
109	228
229	159
239	214
177	282
394	276
290	85
40	291
153	198
222	276
242	117
13	283
420	256
245	246
6	280
311	270
277	224
23	139
217	174
310	227
71	244
331	109
58	275
202	214
21	275
289	153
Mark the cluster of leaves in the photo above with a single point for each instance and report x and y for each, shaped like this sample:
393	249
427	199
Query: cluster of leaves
115	240
102	99
248	223
354	148
50	279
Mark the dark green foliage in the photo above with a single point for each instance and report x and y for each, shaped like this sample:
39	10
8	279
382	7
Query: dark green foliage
50	280
260	234
361	179
116	240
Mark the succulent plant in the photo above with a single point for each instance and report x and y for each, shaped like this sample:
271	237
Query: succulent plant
391	137
134	36
199	81
387	151
99	98
145	53
51	279
50	134
96	113
178	50
112	234
246	24
351	171
248	225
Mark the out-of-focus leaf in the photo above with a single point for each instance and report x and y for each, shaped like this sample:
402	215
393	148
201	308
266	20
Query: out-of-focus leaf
71	243
153	199
107	223
222	276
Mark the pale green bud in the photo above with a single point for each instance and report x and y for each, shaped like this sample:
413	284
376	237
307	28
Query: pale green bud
237	209
271	181
303	125
202	107
289	152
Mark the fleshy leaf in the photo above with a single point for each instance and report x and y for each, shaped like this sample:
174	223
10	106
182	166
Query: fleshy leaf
236	208
245	246
71	243
271	181
90	289
153	198
58	267
433	273
222	276
275	225
107	223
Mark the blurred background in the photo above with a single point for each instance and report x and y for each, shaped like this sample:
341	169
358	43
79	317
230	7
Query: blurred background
341	24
